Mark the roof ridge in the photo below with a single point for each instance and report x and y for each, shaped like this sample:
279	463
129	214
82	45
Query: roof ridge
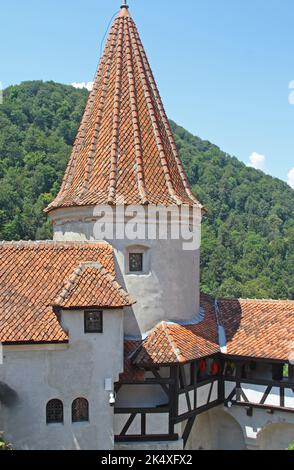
176	350
69	285
116	115
256	300
38	243
115	284
78	272
135	119
159	143
84	124
165	120
105	67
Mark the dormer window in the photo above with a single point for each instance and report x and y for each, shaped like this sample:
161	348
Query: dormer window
136	262
94	321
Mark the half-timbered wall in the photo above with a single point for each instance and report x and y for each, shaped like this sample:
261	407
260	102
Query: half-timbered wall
231	407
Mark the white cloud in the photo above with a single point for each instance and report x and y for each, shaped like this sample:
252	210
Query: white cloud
81	85
291	178
291	95
257	161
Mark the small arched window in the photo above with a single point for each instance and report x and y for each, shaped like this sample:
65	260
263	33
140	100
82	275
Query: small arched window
80	410
54	411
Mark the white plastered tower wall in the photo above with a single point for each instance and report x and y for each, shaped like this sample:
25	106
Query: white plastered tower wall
169	286
41	373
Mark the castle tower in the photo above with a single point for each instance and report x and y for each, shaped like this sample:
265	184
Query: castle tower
124	159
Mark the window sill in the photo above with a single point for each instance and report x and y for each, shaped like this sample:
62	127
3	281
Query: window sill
54	424
81	423
139	274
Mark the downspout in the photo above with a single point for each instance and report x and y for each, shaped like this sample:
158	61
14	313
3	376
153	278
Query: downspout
221	331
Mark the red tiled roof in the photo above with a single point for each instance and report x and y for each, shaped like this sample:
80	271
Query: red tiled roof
170	343
259	328
131	372
254	328
124	151
32	275
91	285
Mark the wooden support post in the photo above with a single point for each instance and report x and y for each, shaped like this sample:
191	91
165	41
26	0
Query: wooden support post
173	398
238	381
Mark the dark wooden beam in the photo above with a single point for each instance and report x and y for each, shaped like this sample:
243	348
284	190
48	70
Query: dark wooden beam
231	396
143	424
266	394
188	429
148	382
233	357
264	407
201	384
159	381
184	381
127	411
210	393
282	397
243	395
273	383
202	409
173	398
128	424
147	438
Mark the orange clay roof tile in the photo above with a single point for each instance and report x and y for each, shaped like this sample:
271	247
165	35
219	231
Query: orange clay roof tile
124	151
259	328
32	275
170	343
91	285
254	328
131	372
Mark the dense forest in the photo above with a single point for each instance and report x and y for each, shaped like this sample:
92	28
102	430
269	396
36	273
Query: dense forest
248	233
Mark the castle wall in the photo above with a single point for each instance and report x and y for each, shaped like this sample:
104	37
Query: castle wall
38	374
261	421
168	289
276	436
232	429
216	430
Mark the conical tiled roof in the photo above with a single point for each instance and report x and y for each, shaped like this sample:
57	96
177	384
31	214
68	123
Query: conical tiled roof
124	151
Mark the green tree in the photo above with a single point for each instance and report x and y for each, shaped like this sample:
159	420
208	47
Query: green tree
247	236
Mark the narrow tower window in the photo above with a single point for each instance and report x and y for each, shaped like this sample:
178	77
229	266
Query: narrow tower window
80	410
136	262
54	411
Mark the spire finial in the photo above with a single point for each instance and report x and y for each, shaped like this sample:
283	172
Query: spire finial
125	4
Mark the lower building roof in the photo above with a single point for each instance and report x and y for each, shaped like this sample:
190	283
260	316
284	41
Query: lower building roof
170	343
257	329
36	276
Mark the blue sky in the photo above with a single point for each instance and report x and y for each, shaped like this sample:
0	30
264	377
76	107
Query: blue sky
224	67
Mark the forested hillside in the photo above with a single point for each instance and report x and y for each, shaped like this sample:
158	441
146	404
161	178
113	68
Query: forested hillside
248	234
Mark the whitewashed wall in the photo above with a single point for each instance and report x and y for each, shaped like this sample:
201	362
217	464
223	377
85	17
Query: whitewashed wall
231	429
67	372
168	291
